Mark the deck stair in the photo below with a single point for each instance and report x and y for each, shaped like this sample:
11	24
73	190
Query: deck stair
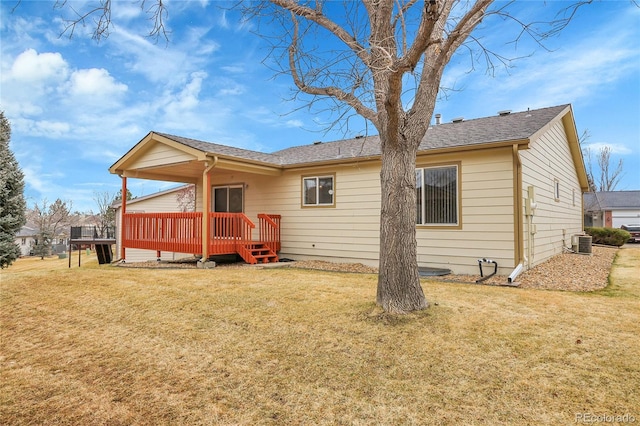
104	253
256	252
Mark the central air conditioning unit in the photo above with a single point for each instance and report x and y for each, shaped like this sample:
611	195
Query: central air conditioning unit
581	244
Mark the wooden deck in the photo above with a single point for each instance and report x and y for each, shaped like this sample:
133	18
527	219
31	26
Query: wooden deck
229	233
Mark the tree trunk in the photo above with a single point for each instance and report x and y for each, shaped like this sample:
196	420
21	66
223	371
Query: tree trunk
399	289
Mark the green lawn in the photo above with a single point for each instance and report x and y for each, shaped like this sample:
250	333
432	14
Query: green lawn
108	345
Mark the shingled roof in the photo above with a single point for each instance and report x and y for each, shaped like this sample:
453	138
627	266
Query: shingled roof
464	134
612	200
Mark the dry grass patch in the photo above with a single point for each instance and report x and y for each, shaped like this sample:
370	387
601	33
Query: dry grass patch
107	345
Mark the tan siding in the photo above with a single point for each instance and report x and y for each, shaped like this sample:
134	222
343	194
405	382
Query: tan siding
555	221
350	230
487	218
161	155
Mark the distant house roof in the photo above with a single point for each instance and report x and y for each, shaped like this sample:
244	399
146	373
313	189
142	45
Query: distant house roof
612	200
26	231
514	127
118	203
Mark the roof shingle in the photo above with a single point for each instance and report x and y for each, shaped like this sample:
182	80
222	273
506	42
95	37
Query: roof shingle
475	132
612	200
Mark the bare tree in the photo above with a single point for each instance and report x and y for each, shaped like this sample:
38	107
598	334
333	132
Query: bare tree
50	220
382	60
186	198
608	176
586	158
106	214
386	62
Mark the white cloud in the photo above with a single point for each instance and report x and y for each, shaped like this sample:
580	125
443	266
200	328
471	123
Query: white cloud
616	148
50	128
125	11
32	178
232	90
233	69
33	67
294	123
222	20
187	98
95	82
169	64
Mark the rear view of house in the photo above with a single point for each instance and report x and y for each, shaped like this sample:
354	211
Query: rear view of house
507	187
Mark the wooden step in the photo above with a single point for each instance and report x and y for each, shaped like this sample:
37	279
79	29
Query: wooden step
258	253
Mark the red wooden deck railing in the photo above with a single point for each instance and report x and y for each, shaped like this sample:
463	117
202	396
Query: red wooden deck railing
270	230
182	232
179	232
227	231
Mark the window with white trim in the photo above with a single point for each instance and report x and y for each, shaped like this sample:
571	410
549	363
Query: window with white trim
318	191
556	189
437	195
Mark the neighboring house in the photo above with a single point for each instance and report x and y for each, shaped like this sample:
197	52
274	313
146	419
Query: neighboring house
26	238
171	200
507	188
611	209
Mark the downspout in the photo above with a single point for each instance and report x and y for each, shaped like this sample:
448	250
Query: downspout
206	206
518	215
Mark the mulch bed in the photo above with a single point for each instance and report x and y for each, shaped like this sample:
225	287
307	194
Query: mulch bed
566	271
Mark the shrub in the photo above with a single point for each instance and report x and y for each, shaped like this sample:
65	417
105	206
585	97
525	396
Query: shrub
608	236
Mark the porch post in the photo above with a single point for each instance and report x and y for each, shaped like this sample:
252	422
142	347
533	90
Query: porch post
206	208
124	210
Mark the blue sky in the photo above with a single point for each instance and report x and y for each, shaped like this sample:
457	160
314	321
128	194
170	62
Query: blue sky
76	105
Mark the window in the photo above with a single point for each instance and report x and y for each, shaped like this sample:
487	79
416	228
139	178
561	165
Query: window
228	199
437	195
318	191
556	189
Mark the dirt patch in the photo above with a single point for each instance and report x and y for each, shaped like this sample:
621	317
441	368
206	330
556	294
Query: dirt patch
153	264
358	268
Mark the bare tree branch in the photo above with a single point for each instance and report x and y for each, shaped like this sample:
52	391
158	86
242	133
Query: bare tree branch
609	176
99	18
158	14
332	91
101	24
316	15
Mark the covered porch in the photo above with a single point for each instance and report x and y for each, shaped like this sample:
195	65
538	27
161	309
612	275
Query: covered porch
214	228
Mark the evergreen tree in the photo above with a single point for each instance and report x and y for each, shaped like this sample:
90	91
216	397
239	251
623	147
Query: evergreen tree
12	203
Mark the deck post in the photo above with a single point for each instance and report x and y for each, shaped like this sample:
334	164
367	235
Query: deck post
124	210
